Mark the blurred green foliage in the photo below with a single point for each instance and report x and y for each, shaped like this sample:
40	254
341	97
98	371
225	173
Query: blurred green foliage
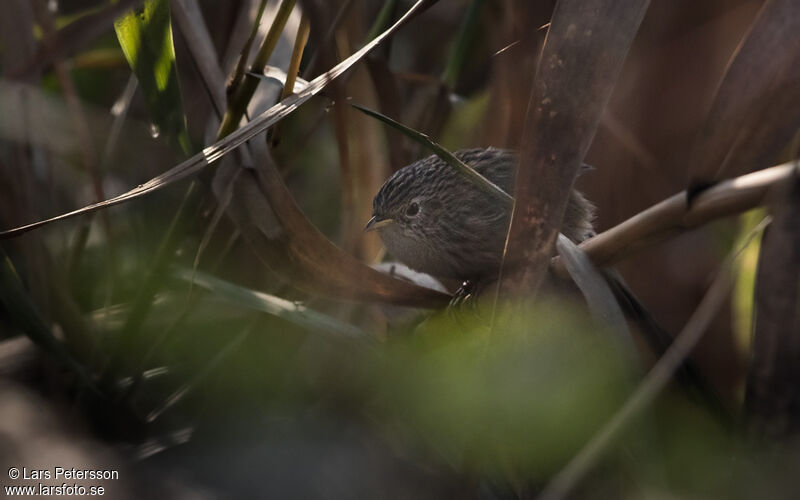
442	391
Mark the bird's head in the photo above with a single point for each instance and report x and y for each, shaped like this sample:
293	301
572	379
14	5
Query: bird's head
409	204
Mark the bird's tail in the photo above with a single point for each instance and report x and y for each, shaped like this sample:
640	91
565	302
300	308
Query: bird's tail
659	341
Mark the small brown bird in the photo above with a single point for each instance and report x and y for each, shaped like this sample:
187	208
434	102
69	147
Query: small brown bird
437	222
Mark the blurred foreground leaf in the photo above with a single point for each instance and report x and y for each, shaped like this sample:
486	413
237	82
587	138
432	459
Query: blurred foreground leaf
145	36
745	281
521	398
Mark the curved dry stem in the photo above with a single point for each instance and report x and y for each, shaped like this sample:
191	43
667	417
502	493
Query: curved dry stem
675	215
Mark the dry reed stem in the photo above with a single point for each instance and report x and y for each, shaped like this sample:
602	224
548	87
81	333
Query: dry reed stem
675	215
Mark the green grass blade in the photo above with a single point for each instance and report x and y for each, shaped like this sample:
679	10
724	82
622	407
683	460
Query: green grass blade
270	304
145	36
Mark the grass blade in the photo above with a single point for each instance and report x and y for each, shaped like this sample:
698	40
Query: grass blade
469	173
146	39
270	304
245	89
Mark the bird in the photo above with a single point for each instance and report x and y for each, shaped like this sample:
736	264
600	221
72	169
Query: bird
434	220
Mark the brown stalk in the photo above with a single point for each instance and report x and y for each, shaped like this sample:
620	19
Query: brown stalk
241	64
772	397
755	112
384	83
88	155
583	54
350	171
291	73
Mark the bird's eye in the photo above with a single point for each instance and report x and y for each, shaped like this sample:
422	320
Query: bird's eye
412	209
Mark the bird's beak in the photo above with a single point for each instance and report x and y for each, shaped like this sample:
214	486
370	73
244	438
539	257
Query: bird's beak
376	223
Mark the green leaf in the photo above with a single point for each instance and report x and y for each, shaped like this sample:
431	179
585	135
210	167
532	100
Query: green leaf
145	36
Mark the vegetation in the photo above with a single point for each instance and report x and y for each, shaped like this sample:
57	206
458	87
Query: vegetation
185	284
